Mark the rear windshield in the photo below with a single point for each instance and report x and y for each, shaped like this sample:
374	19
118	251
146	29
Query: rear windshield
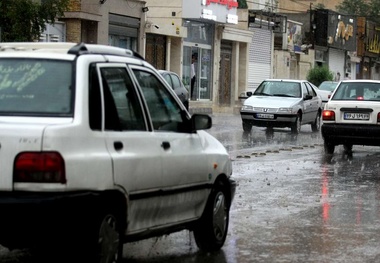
357	91
35	87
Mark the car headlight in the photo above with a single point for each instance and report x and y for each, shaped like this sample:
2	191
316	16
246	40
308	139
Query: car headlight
246	107
288	110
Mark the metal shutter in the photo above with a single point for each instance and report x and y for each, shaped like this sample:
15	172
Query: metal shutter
260	56
336	61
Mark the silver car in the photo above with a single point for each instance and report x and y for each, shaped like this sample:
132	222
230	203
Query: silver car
283	103
175	82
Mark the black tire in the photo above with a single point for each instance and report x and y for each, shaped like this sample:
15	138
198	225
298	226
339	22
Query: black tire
104	239
211	230
247	127
296	127
316	125
110	243
329	147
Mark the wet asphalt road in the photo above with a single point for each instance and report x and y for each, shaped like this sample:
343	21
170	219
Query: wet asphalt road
293	204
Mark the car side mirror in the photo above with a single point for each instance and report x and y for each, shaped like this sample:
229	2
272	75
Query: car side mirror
201	122
308	97
249	93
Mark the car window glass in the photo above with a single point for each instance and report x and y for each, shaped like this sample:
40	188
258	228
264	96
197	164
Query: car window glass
304	90
356	90
120	95
169	80
164	111
36	87
176	81
310	90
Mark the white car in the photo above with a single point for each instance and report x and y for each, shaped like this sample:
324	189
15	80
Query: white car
282	103
325	89
97	150
352	115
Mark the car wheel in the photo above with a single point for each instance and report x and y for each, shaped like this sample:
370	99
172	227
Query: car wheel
347	148
247	127
329	147
296	127
103	242
316	125
211	230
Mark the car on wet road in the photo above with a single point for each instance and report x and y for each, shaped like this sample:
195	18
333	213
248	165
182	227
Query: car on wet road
97	150
282	103
352	115
325	89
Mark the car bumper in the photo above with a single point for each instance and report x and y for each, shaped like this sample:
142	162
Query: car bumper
351	134
30	218
279	120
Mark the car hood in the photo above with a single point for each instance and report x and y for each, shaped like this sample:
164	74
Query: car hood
270	101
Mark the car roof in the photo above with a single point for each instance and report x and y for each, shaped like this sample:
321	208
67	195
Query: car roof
360	80
76	49
286	80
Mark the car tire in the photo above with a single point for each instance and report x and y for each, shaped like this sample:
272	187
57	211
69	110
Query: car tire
104	241
247	127
296	127
316	125
328	147
211	230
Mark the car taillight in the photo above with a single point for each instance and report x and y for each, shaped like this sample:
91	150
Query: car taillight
378	117
39	167
328	115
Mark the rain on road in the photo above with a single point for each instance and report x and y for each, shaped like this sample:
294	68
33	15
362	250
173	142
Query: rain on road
293	204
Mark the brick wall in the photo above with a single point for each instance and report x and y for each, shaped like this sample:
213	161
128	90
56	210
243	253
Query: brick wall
73	30
75	5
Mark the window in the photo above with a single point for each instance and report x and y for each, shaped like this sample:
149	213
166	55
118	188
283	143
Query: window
36	87
119	93
164	110
122	109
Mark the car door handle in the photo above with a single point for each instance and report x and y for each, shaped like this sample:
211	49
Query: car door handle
165	145
118	146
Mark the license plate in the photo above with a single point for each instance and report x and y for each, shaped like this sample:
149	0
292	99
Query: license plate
356	116
264	116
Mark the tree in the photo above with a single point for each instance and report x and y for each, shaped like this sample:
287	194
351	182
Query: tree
366	8
242	4
25	20
318	74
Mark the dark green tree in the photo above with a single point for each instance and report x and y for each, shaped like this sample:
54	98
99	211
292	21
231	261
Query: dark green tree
354	7
25	20
366	8
242	4
318	74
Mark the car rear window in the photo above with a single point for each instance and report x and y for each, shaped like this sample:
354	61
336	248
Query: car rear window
35	87
357	91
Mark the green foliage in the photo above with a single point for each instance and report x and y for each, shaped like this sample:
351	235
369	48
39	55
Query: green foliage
242	4
354	7
318	74
24	20
366	8
319	6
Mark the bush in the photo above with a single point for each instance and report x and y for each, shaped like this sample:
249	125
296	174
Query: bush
319	74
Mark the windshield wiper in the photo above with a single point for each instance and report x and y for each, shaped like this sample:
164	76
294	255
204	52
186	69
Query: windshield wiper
284	95
263	94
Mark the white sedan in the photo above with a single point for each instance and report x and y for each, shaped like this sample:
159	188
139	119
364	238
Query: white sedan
283	103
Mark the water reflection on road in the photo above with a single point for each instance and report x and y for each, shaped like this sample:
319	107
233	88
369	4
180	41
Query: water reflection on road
293	203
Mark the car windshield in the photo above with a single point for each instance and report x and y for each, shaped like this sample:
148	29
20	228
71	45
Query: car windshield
328	86
357	91
279	88
35	87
